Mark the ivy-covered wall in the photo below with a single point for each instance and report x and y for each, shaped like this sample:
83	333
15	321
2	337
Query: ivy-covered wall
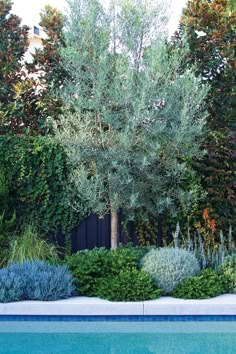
37	173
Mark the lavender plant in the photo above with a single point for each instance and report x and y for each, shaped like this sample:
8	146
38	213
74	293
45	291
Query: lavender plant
209	255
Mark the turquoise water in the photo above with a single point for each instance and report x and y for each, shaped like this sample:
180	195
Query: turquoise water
118	338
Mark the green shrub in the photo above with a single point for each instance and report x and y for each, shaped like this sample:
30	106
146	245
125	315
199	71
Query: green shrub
169	266
89	266
229	269
206	285
125	258
128	285
29	246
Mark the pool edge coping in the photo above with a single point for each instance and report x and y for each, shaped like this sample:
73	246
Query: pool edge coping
86	306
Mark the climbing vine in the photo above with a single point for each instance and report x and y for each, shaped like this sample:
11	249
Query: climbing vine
38	175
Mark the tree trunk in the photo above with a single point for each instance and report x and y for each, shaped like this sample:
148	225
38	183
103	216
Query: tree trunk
114	230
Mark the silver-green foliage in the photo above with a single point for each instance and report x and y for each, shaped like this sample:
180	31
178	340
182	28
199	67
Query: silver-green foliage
135	116
209	255
170	266
229	268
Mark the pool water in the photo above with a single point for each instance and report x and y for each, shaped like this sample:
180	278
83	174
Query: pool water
118	337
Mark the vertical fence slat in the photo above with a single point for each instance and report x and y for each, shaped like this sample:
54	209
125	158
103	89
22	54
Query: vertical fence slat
80	236
92	230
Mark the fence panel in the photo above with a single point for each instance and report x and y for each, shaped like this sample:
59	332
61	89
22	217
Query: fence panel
96	232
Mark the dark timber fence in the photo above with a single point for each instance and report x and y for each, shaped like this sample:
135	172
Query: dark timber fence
96	232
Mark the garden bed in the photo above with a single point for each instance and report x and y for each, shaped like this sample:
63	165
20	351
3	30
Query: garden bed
91	306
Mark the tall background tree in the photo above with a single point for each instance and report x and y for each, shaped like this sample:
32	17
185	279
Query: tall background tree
13	45
26	100
137	118
211	32
46	64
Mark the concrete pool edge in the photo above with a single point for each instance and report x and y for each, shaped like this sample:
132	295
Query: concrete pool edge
86	306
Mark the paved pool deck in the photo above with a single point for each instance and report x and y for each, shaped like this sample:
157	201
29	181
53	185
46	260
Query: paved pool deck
91	306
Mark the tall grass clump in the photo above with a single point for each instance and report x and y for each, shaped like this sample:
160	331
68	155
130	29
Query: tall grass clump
29	246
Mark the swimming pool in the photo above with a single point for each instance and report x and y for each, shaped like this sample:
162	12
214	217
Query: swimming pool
118	334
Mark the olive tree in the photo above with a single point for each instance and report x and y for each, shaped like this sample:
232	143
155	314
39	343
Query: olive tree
134	118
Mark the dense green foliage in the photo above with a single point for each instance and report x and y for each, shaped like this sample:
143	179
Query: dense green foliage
169	266
125	258
87	267
90	266
206	285
29	246
229	269
128	285
35	281
4	191
7	217
211	33
38	175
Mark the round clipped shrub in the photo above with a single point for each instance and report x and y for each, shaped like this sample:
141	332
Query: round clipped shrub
206	285
228	268
89	266
128	285
125	258
170	266
35	280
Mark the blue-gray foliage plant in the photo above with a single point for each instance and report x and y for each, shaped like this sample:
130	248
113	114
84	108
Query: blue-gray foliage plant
11	286
170	266
35	280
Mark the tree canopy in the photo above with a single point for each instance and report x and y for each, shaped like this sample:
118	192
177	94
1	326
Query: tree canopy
136	117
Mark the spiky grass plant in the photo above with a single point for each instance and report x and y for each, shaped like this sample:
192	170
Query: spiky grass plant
29	246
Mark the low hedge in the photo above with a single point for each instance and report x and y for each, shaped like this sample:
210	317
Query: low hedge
128	285
204	286
112	274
